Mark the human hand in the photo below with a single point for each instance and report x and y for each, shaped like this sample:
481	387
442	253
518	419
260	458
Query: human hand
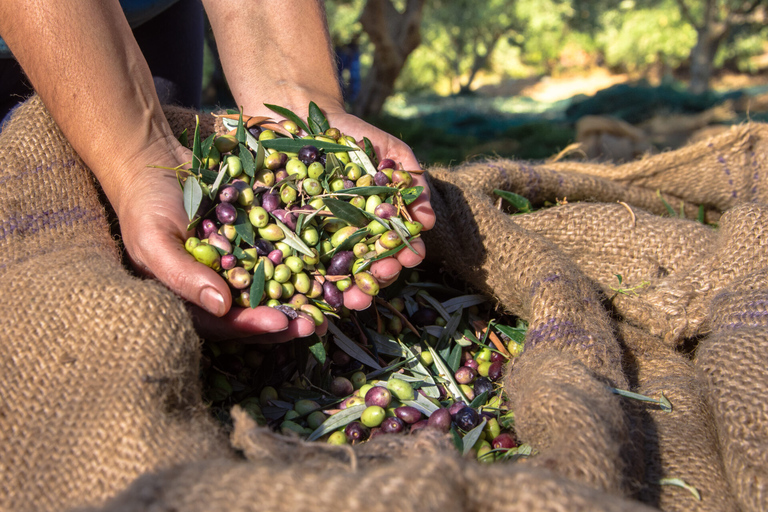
154	228
387	270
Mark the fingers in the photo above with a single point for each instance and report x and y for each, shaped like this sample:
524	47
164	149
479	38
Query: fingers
169	262
407	258
421	209
355	299
242	323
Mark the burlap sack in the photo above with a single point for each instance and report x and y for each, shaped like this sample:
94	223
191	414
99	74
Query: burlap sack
103	369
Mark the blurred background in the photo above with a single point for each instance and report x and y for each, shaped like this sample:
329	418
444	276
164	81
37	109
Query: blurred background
528	79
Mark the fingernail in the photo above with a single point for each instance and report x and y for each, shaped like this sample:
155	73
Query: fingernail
212	301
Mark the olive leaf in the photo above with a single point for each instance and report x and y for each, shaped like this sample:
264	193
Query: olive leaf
463	301
350	241
447	374
436	305
663	403
410	194
416	366
193	196
317	349
679	482
359	157
197	150
350	214
367	191
244	228
479	400
294	241
217	182
384	344
184	138
240	132
370	152
422	404
287	145
257	285
513	333
260	156
402	232
207	146
471	437
521	204
454	358
338	420
351	348
450	327
246	158
288	114
317	121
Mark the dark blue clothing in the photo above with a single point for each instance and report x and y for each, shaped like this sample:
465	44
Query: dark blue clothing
170	34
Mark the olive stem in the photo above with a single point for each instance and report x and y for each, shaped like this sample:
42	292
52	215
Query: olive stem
494	339
390	307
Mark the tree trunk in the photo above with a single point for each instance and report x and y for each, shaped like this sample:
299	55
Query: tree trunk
709	35
394	36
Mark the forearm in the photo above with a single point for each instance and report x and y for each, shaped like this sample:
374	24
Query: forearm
276	51
83	61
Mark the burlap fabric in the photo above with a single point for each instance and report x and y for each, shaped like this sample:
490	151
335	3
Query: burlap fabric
101	407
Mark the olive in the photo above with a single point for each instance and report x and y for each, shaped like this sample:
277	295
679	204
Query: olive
378	395
341	263
226	213
482	385
386	163
495	370
332	295
464	375
228	194
308	154
341	386
408	414
466	419
440	420
504	441
381	179
386	211
392	425
373	416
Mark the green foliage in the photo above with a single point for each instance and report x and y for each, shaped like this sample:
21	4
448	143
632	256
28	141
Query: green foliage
745	43
635	39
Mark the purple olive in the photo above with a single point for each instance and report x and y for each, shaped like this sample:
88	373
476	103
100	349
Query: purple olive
408	414
456	407
378	395
504	441
332	295
440	420
464	375
255	130
356	432
341	263
348	183
285	217
466	419
263	247
495	371
228	261
483	385
380	179
206	228
308	154
276	256
387	163
229	194
471	363
419	425
220	242
226	213
341	386
270	201
392	425
385	211
424	316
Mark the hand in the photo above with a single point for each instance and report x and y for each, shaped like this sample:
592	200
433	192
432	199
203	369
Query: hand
153	224
386	146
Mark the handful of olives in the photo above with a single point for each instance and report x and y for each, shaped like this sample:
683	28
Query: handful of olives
293	221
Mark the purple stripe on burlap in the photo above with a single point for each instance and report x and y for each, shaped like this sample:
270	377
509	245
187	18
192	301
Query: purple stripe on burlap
50	249
31	172
31	224
554	330
727	171
756	176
